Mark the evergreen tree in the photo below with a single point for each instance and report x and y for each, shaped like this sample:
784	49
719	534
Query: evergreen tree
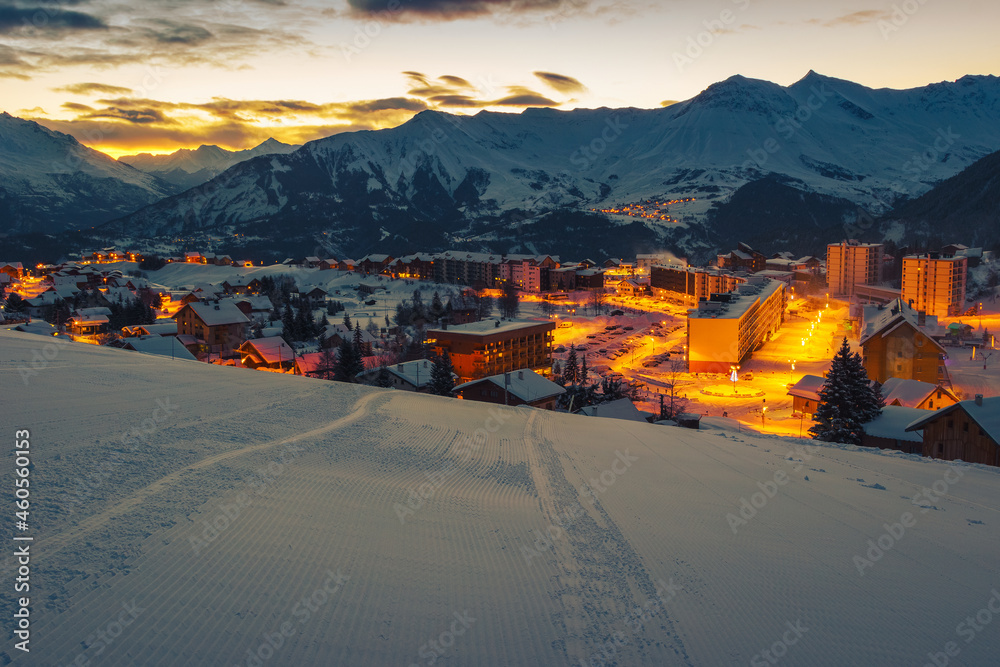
436	311
288	331
419	310
509	301
348	363
557	375
347	321
571	371
383	379
583	369
302	325
847	400
441	381
358	338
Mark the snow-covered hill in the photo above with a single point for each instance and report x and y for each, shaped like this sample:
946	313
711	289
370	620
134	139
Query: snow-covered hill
51	182
198	515
440	178
187	168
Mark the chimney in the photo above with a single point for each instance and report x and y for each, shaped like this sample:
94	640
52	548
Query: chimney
921	318
496	324
979	400
520	375
399	367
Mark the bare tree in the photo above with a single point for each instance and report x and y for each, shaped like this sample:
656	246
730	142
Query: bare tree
598	300
673	404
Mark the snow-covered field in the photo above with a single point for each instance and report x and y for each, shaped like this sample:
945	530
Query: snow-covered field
187	514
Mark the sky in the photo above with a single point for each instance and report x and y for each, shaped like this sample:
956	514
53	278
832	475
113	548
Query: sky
159	75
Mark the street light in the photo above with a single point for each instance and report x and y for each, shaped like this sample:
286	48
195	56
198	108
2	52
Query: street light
733	375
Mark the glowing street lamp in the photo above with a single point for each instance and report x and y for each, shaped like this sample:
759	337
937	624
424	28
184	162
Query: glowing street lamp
734	375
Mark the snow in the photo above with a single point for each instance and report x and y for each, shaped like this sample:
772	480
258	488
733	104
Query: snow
525	384
909	393
549	530
217	314
893	421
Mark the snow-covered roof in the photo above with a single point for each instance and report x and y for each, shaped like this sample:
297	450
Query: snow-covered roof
217	314
986	415
489	326
260	303
892	424
884	320
162	328
808	387
623	408
272	350
166	346
416	373
909	393
526	384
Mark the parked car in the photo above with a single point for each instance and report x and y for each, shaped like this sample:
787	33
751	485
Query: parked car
616	313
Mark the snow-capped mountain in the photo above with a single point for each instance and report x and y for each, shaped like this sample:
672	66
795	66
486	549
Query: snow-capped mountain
50	182
187	168
441	179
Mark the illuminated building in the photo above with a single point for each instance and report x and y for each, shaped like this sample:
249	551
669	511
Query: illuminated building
935	284
851	263
726	328
491	347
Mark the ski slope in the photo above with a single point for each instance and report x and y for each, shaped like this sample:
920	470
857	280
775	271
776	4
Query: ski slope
187	514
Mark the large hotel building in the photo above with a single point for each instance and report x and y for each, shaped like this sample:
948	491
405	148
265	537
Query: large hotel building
935	284
851	263
726	328
492	347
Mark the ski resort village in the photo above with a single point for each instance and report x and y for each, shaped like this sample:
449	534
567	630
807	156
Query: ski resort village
760	342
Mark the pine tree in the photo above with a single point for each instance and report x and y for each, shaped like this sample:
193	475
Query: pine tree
347	321
288	324
441	381
348	364
571	371
583	369
437	308
847	400
383	379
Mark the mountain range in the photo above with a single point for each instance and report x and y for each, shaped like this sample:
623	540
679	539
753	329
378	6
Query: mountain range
187	168
792	166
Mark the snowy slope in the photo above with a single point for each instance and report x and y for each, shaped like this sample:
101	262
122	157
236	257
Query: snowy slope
187	168
464	176
363	525
50	182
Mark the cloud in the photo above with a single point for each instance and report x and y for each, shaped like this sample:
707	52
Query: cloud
667	103
88	88
863	17
561	82
164	31
75	106
447	10
131	115
455	92
46	19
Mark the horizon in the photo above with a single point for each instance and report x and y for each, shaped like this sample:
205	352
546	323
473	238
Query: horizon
158	78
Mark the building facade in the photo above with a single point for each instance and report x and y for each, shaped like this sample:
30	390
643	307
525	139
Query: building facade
725	329
850	263
935	284
492	347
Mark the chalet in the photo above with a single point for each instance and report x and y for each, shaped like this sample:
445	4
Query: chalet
315	364
134	256
255	306
519	387
374	263
805	394
193	258
165	346
161	328
744	258
208	258
311	262
217	327
916	394
897	343
334	335
345	264
329	264
623	408
631	287
270	354
12	269
89	321
968	431
241	285
888	430
408	375
313	293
